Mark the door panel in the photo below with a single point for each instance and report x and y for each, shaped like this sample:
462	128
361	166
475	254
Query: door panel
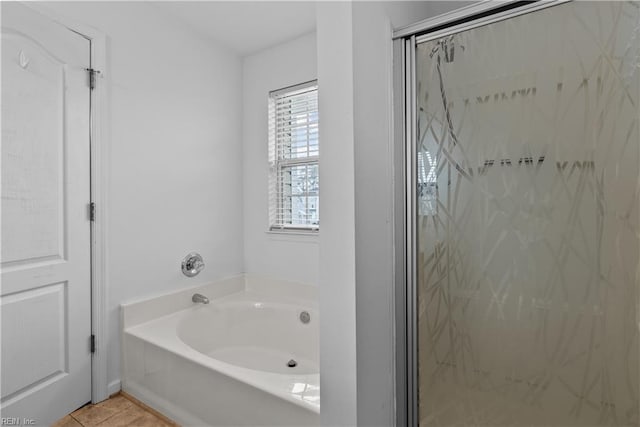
528	221
46	356
45	258
33	173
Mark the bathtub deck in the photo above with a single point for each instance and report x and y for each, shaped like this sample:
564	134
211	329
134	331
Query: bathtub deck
118	410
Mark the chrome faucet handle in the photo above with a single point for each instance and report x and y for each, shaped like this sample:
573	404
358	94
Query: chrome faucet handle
192	264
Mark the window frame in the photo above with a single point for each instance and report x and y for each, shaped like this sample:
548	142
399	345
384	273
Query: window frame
277	164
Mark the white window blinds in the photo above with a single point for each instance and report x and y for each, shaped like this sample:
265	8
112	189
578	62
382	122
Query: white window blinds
293	158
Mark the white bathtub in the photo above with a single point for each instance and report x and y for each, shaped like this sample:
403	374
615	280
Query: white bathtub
226	363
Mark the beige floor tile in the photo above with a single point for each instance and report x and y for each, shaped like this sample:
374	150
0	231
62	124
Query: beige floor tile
133	416
151	420
67	421
124	418
118	411
92	415
117	402
163	418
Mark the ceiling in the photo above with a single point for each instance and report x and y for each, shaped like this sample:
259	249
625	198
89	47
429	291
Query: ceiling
245	27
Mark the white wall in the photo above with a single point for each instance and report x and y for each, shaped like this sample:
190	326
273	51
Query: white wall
291	257
176	154
373	25
337	249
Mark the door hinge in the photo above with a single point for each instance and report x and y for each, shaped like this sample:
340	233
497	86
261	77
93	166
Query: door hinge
92	211
92	77
92	343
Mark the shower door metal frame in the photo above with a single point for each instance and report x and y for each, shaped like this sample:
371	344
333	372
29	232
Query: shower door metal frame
406	40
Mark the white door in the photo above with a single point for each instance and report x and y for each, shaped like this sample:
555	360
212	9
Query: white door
45	293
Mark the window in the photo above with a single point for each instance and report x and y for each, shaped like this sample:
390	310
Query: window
293	158
427	183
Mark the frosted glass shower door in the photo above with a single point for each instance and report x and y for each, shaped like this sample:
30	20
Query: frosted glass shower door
527	227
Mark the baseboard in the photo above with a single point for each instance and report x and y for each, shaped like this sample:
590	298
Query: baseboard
114	387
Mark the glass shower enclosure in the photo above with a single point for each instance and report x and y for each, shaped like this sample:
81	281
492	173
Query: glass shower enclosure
523	173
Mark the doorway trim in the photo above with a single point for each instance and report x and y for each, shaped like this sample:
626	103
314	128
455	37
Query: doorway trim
405	134
99	166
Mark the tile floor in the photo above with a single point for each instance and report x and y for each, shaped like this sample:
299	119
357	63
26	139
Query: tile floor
119	410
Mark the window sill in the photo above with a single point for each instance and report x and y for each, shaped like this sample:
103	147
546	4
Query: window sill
311	234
